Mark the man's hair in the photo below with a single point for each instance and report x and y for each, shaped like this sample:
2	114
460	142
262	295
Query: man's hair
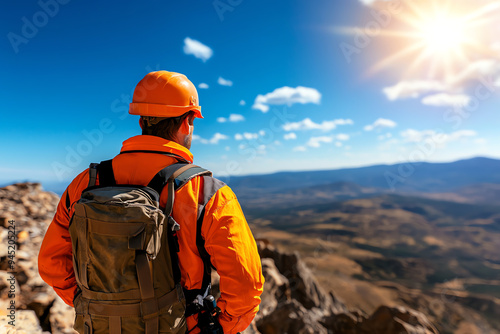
163	127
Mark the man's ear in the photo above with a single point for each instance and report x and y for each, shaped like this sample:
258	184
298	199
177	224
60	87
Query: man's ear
186	124
191	118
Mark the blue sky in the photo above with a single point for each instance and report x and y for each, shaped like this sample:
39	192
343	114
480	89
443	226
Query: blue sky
292	85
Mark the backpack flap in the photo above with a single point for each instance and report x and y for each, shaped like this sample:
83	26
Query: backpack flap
110	219
148	238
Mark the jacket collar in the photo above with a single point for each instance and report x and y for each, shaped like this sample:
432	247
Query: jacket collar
153	143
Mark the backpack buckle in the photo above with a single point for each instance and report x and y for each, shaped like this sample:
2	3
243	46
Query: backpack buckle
175	225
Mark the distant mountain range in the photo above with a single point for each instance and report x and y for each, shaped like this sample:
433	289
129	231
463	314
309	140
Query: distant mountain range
418	177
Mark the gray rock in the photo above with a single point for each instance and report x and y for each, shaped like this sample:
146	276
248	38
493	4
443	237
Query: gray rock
62	317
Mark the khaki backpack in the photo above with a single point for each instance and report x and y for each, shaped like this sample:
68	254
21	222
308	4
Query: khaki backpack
125	254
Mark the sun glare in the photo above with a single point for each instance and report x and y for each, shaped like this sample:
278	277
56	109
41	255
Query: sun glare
436	37
443	34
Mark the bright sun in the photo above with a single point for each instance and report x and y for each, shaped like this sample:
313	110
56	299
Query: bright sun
435	36
443	35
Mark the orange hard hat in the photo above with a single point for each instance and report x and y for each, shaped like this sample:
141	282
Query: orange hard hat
164	94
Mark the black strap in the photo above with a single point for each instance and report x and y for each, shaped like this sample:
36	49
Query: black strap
92	174
106	174
173	244
210	188
189	174
161	178
68	201
200	244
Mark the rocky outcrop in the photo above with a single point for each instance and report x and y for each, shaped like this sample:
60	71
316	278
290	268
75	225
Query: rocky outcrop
29	209
292	302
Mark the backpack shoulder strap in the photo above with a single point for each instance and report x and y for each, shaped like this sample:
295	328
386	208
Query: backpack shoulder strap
184	176
175	176
105	171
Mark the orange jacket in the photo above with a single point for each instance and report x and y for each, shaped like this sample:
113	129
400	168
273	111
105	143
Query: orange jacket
228	239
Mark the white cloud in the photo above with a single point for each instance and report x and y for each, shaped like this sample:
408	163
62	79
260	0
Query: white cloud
386	136
449	93
232	118
480	141
438	138
246	135
300	149
242	103
307	124
480	69
415	136
343	137
317	141
287	96
203	86
224	82
250	136
290	136
197	49
380	123
447	100
217	137
214	140
236	118
413	89
261	107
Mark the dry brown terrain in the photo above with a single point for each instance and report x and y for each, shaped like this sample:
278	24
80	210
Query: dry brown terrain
438	257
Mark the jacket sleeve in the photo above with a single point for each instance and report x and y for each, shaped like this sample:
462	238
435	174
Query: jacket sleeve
55	263
55	259
233	252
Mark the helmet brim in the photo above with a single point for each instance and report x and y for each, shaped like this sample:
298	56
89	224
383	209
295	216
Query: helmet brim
161	110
